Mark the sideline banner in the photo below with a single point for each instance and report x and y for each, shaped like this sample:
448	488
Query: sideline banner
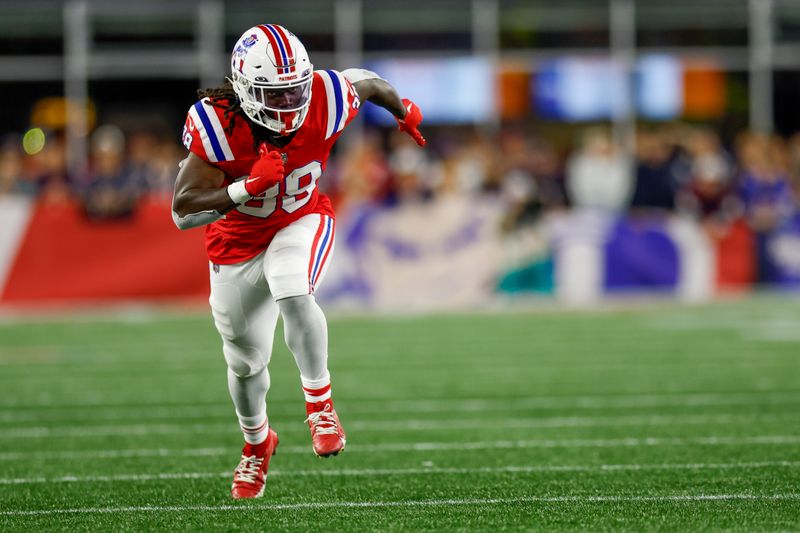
437	255
63	256
448	254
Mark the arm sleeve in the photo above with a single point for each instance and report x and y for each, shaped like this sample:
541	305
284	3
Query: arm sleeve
195	220
355	75
342	102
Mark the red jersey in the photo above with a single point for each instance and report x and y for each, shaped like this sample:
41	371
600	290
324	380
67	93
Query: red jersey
246	231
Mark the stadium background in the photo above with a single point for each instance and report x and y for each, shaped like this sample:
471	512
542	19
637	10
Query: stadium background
640	159
578	150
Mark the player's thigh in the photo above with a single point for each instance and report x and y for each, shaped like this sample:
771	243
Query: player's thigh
298	256
244	314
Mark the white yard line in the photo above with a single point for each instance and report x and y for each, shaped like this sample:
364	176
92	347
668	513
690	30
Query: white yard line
89	431
633	442
603	468
410	503
394	405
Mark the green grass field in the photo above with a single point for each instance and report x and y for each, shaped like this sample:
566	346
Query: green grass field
667	417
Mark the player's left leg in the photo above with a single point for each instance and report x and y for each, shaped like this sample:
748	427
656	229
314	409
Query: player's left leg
296	261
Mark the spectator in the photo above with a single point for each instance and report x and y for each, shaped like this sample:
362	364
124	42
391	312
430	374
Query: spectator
46	172
113	188
410	171
532	182
793	162
11	166
656	184
709	195
598	176
362	176
765	193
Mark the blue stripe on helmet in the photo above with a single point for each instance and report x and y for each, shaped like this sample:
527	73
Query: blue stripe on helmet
280	43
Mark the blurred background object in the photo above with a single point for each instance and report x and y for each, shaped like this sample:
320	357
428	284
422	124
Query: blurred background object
578	150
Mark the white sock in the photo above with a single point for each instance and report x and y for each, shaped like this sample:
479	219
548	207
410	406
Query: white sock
249	397
254	428
317	390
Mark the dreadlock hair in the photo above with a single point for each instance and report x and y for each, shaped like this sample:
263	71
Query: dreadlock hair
224	97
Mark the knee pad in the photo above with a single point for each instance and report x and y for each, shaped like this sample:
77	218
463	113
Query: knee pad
243	358
227	327
243	361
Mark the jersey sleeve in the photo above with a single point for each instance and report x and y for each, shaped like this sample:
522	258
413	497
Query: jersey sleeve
341	102
204	135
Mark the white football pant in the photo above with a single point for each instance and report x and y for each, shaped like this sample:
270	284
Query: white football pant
246	299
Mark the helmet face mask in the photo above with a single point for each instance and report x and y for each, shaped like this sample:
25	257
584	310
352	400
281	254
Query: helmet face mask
271	75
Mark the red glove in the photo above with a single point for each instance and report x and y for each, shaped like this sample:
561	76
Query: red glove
410	122
266	172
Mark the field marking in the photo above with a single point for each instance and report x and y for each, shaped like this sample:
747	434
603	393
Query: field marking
469	404
412	503
432	446
77	431
605	468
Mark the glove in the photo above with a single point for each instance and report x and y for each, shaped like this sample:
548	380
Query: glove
265	173
410	122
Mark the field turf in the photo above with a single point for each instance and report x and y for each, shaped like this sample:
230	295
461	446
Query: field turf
663	417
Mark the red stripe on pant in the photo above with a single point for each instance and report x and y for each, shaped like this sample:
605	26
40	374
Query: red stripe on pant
314	251
327	251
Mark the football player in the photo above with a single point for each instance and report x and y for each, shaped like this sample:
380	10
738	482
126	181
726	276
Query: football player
258	145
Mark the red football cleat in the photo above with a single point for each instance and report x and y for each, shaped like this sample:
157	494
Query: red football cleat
327	434
251	474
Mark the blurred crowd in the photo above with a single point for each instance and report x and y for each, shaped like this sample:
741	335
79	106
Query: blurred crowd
676	168
122	170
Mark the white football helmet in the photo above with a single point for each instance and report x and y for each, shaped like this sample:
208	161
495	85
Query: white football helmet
271	74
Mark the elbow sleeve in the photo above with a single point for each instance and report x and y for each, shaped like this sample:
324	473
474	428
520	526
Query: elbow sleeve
354	75
194	220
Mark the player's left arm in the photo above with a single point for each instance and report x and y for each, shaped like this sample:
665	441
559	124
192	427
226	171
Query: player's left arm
375	89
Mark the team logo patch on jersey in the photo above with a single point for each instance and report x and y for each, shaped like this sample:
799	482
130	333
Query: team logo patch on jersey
250	41
284	157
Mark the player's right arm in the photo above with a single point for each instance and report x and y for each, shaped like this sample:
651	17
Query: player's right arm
199	197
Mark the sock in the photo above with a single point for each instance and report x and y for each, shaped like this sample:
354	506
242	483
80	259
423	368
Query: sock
306	334
254	428
249	397
316	391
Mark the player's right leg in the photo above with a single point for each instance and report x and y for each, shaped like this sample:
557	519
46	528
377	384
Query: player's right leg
245	316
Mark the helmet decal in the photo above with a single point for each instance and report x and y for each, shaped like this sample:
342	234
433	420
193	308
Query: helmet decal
247	42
